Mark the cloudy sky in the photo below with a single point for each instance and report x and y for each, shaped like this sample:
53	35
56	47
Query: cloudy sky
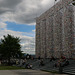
17	17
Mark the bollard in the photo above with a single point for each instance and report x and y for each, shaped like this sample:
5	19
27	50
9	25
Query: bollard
60	69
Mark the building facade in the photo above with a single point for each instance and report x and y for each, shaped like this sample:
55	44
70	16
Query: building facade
55	31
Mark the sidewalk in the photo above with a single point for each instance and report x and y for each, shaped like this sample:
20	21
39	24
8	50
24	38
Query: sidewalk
25	72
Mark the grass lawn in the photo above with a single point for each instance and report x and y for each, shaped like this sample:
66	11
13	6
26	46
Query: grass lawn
10	68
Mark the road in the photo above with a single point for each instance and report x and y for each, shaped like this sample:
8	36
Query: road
25	72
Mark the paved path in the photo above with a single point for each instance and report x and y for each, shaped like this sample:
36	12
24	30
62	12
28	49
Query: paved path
24	72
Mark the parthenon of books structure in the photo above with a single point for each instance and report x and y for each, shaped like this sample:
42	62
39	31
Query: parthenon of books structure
55	31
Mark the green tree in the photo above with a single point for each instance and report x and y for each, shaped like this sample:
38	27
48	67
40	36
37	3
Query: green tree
10	47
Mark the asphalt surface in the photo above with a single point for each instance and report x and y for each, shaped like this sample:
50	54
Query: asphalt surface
25	72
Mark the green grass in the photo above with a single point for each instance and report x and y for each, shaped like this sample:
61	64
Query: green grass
10	68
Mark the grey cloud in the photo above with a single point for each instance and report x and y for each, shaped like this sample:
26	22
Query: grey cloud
28	46
9	3
24	11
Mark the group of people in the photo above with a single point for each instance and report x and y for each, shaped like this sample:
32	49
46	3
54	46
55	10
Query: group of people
41	63
61	62
26	64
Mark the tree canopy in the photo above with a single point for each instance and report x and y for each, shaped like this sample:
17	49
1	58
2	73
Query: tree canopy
10	47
